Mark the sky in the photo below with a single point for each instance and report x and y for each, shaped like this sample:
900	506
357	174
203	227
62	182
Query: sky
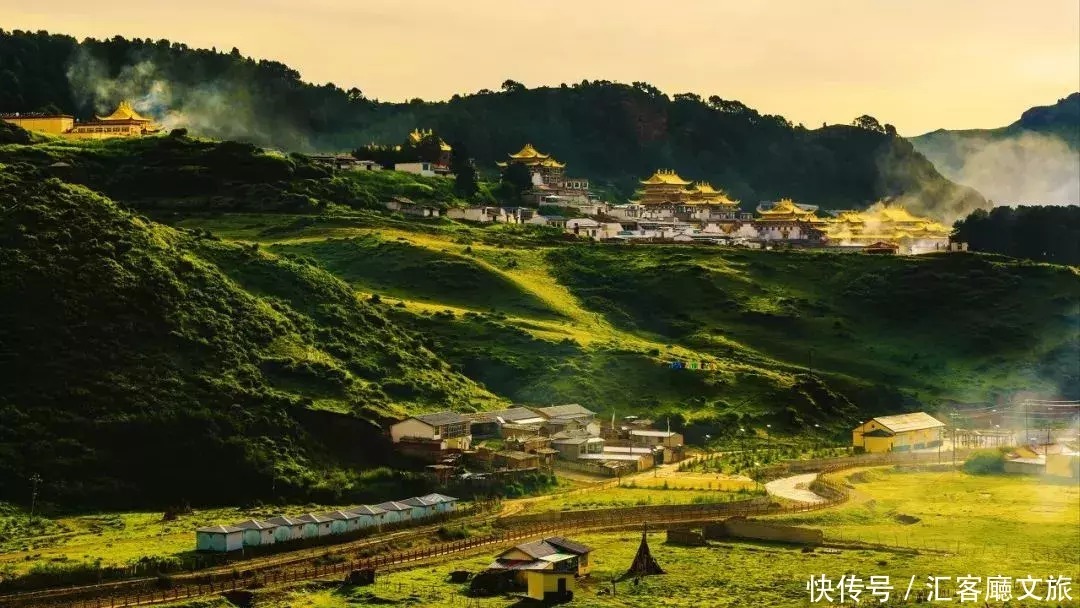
917	64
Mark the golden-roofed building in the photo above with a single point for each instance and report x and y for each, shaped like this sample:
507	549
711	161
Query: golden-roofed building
445	150
549	181
702	193
788	221
889	223
124	121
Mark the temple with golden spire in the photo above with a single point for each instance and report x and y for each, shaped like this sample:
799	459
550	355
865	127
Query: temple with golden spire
786	220
550	183
124	121
445	150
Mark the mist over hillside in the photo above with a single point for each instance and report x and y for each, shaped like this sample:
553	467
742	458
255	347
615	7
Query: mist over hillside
1035	160
612	133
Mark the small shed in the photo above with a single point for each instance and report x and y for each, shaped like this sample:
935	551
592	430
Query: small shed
219	539
421	507
315	525
342	521
395	511
444	503
257	533
368	516
287	528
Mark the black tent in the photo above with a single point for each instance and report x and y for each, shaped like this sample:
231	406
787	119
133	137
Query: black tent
644	563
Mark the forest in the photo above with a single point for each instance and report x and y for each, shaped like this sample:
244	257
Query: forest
611	133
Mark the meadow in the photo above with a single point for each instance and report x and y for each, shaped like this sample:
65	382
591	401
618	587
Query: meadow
980	511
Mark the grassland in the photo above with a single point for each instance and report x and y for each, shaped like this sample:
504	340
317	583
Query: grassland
1005	515
541	321
114	539
977	510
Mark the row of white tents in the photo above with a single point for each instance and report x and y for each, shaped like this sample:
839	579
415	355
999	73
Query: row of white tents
255	533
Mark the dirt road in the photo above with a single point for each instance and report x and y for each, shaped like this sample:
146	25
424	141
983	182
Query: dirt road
795	488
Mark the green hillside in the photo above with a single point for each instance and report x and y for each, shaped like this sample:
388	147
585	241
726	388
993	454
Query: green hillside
236	356
612	133
144	364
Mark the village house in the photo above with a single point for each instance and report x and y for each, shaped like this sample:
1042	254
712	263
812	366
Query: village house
515	460
490	424
483	215
554	221
423	169
448	430
903	432
344	162
546	568
405	206
572	445
638	459
653	438
395	512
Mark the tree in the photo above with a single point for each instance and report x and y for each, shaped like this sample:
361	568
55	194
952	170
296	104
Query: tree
516	180
869	123
512	86
461	165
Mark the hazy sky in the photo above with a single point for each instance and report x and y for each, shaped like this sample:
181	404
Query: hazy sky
918	64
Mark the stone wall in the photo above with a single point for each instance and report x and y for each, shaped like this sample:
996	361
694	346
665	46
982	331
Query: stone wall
739	527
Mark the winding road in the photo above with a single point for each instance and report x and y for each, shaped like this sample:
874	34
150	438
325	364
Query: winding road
795	488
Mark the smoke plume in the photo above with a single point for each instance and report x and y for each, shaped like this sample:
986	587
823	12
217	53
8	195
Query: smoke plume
218	108
1029	168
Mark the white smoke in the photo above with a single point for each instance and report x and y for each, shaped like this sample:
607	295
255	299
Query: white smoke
220	108
1030	168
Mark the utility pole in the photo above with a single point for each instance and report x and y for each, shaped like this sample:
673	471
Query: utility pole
35	479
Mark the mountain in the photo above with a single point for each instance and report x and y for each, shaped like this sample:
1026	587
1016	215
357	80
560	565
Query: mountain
149	365
1035	160
614	134
229	356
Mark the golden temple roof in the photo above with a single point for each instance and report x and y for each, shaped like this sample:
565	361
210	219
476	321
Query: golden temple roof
528	152
786	207
125	111
552	163
666	177
702	193
416	136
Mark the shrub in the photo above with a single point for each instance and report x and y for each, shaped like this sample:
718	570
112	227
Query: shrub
985	463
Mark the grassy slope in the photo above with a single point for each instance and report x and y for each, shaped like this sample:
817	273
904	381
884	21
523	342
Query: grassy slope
886	332
147	364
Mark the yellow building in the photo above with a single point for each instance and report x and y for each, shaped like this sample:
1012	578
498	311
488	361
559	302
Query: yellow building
888	223
904	432
123	122
50	124
546	568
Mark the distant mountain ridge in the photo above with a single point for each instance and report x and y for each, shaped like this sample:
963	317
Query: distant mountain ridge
612	133
1035	160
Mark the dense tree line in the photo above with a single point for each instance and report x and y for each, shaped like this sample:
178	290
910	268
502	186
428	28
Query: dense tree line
1044	233
612	133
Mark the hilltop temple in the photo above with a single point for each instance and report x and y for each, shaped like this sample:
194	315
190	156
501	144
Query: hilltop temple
549	181
123	122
